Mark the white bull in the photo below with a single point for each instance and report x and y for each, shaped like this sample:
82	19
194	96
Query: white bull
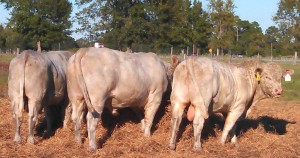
211	86
98	75
37	80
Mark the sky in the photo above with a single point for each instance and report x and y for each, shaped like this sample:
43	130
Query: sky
260	11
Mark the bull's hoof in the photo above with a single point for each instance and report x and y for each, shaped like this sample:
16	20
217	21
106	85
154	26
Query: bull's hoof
197	148
30	140
92	149
236	144
78	140
17	139
147	134
172	146
47	134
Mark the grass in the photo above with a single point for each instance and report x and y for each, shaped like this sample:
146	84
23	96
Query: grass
292	88
4	62
6	58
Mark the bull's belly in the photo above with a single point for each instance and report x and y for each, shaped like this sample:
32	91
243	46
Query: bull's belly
222	104
217	107
119	103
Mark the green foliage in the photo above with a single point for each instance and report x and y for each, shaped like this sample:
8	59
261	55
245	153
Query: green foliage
153	24
47	21
222	17
288	19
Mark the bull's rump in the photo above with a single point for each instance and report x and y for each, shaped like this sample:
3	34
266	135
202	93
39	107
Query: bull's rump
44	77
127	77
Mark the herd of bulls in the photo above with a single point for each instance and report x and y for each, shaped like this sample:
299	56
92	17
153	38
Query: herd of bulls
96	78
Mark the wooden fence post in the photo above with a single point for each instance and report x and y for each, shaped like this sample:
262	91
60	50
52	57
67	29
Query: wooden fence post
295	58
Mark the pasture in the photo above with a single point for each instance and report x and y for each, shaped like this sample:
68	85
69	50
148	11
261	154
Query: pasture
272	130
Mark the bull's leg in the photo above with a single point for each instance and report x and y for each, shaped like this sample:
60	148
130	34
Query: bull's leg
33	107
177	112
17	118
92	121
67	115
77	115
198	126
232	135
17	137
150	111
49	118
139	114
230	122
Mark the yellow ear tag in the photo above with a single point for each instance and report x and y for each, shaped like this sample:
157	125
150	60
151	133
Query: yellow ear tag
257	76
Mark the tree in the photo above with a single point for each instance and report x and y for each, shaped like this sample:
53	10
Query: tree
197	26
47	21
222	17
272	38
2	38
288	20
14	39
249	38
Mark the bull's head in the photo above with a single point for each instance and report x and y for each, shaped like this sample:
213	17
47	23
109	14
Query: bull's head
171	67
270	79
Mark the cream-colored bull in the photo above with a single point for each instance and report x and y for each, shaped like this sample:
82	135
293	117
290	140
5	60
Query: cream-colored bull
36	81
98	75
211	86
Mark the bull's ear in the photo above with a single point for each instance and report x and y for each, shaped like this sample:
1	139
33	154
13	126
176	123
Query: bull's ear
288	71
258	72
175	60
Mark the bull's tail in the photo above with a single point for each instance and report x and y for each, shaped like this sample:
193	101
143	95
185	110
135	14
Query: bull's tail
80	79
191	71
22	85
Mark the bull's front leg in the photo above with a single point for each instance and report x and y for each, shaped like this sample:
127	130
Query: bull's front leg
177	112
33	107
139	114
230	126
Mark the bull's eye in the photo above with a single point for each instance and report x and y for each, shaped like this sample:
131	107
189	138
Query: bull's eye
269	78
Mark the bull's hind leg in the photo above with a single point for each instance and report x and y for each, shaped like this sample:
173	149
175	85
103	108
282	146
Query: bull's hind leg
198	126
33	107
17	118
177	112
77	115
150	111
66	113
92	121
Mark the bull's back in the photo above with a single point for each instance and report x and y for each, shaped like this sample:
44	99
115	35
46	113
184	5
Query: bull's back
125	76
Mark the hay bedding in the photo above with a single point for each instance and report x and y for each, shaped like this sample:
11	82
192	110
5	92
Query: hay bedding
272	130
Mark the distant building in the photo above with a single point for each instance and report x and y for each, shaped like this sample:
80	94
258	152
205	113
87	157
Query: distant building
99	45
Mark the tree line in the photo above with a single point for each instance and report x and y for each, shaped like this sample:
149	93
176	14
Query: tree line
150	25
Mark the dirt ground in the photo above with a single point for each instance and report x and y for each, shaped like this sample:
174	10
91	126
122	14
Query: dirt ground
272	130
